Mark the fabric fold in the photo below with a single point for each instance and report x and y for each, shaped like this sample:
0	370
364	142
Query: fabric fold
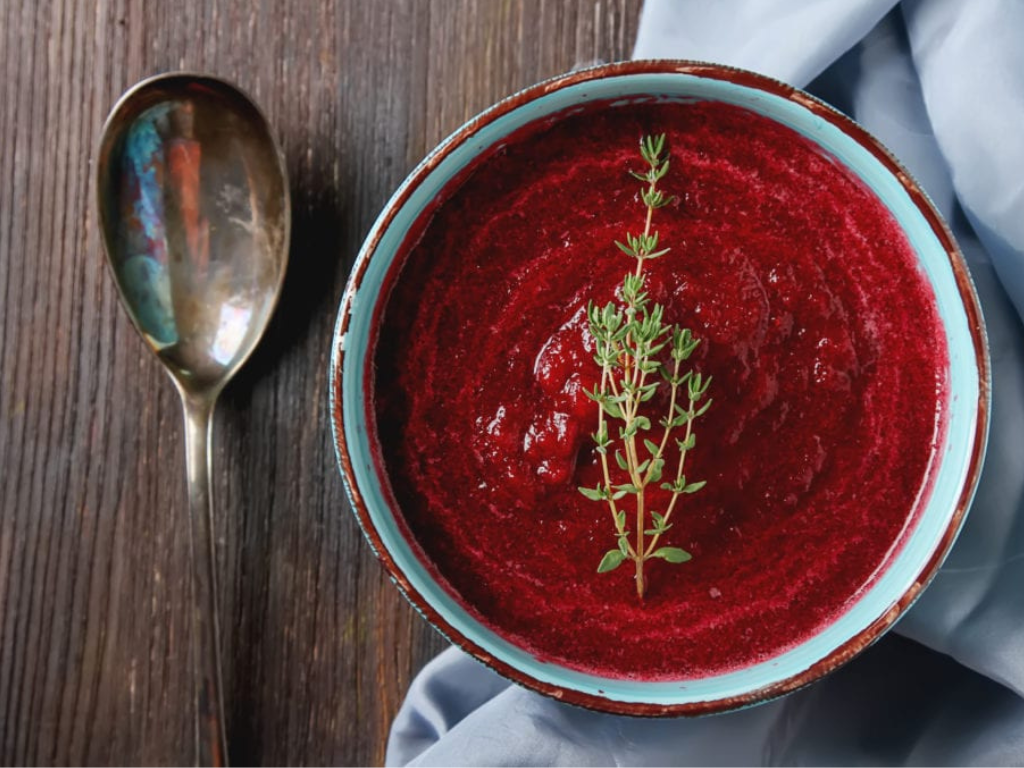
792	42
971	66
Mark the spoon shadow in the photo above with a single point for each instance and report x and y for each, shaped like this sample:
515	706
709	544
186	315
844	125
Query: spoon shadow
253	419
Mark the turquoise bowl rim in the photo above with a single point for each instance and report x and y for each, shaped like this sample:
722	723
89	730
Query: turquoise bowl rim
959	458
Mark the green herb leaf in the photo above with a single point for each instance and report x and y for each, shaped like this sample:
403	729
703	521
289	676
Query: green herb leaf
611	408
612	559
656	468
688	443
659	525
658	530
671	554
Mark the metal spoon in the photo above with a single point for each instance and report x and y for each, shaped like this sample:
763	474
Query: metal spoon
195	215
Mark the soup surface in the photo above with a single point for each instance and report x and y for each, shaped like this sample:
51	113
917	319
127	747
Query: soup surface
829	368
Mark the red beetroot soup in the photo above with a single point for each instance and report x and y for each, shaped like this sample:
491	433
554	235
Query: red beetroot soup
829	369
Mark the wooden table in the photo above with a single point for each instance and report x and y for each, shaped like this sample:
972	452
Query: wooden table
319	647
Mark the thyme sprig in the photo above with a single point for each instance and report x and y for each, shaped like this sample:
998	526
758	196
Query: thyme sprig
638	353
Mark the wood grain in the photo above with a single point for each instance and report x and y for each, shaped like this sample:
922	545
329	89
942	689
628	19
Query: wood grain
319	647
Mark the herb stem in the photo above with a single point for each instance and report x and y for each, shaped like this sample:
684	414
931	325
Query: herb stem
640	586
629	337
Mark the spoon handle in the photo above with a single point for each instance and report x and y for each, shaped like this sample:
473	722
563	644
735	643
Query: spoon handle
210	740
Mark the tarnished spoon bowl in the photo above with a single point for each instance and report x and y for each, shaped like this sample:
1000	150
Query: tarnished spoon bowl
195	216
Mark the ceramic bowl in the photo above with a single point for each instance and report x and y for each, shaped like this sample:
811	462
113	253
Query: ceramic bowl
960	457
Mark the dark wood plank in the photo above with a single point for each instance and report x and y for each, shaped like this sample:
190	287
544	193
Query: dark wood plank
319	647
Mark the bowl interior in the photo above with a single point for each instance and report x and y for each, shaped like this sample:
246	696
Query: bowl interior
954	463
